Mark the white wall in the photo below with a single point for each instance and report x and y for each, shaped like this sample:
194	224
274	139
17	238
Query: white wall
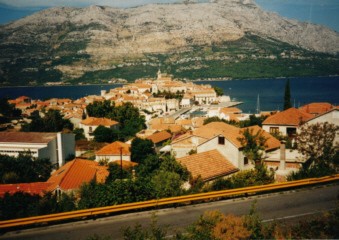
112	158
229	151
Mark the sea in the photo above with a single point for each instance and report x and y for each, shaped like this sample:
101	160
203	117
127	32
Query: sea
267	94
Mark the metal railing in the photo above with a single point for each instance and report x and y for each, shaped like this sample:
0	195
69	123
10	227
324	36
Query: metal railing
20	222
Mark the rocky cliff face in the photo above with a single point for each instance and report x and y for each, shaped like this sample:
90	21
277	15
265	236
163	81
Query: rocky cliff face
109	35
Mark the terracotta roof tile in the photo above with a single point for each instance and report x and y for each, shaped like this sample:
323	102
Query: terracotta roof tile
32	188
114	149
92	121
159	136
316	108
174	128
271	143
208	165
73	174
290	117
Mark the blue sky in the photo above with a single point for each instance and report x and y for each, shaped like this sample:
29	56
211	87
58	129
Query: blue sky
325	12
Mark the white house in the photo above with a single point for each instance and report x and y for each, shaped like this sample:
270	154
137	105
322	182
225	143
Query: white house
91	123
286	122
332	116
55	146
221	137
115	151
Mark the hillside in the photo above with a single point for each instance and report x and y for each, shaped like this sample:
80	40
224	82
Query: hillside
225	38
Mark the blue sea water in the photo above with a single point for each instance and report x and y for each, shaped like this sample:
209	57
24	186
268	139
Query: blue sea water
271	91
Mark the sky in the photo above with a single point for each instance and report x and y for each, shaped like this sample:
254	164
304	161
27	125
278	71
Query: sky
325	12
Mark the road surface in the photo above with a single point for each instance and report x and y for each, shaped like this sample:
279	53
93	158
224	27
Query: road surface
286	205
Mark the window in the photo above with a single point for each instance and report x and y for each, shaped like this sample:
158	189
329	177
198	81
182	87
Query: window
245	160
221	140
274	130
291	132
90	130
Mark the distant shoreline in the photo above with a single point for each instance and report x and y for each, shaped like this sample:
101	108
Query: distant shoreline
185	80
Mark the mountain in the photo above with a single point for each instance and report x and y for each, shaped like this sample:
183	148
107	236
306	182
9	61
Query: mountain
193	40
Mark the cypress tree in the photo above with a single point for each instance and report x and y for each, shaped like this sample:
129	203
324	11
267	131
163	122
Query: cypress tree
287	96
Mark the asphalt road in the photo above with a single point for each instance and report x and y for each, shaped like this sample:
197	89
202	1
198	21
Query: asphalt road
287	205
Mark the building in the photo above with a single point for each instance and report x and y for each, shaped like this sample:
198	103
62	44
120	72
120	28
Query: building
75	173
286	122
35	188
91	123
159	138
221	137
208	165
55	146
317	108
331	116
115	151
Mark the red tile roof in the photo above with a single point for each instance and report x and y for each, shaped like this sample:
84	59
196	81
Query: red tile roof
231	133
32	188
92	121
271	142
114	149
289	117
74	173
208	165
317	108
159	136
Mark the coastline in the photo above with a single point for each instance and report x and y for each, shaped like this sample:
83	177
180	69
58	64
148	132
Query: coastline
185	80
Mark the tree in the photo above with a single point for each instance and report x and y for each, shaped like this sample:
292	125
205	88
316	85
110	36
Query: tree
79	134
287	96
116	172
253	145
100	109
219	91
141	149
104	134
166	184
52	122
24	168
316	142
149	166
127	115
8	110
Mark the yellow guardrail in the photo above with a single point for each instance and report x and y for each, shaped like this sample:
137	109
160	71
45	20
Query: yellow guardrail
164	201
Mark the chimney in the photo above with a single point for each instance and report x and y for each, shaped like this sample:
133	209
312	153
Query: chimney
282	156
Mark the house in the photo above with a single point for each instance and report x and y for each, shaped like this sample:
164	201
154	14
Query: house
222	137
331	116
75	173
68	178
317	108
159	138
35	188
208	165
286	122
55	146
91	123
115	151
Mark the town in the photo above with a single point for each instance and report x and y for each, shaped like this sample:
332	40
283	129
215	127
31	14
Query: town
163	137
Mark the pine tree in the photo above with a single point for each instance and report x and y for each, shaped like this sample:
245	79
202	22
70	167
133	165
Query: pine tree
287	96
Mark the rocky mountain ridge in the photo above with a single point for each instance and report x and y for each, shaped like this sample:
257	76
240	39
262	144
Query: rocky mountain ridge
72	41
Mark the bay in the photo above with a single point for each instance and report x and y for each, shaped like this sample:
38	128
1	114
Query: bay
271	91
